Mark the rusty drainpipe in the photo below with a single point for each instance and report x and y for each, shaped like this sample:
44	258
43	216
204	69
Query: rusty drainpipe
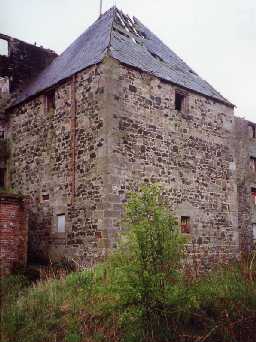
73	138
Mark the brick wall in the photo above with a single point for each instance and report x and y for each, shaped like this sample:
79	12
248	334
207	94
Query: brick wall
13	233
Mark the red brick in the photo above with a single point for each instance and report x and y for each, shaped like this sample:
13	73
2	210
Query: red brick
13	233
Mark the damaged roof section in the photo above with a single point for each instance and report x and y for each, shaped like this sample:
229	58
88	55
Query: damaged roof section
128	41
133	44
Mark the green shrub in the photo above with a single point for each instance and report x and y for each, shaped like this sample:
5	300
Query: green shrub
145	269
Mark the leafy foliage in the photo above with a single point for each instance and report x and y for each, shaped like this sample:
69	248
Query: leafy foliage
144	270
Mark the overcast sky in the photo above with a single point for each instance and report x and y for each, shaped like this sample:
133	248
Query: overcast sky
217	38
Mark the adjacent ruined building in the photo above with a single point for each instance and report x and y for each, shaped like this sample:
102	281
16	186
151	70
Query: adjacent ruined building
117	109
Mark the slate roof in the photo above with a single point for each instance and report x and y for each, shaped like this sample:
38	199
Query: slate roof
131	43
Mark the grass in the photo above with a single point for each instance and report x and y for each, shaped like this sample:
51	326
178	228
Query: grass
90	306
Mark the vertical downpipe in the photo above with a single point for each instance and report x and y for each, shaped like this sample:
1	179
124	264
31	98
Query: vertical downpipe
73	139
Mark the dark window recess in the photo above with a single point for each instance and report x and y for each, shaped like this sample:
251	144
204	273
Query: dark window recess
185	225
1	134
2	178
180	101
50	101
45	197
253	195
252	131
253	164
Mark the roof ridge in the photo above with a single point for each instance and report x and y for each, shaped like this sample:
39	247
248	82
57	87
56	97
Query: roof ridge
114	9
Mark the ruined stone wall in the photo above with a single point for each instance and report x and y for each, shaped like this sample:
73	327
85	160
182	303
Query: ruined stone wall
245	147
24	62
13	233
190	154
54	160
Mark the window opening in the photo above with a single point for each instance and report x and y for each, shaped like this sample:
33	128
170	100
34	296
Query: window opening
50	101
61	220
180	101
254	232
253	164
2	177
4	85
252	131
185	225
4	48
253	195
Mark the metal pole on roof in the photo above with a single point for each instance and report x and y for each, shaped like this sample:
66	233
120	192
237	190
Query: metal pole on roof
100	8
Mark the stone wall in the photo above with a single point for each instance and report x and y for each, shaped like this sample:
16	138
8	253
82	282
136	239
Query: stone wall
57	160
113	129
245	145
13	233
190	154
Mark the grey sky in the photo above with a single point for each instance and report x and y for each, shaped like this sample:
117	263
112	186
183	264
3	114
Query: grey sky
217	38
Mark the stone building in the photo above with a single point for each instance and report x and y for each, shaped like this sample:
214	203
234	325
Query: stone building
245	156
117	109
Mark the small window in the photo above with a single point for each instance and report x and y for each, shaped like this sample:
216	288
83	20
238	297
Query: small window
61	220
50	101
253	164
4	47
45	197
185	225
253	195
180	101
254	232
252	131
2	177
4	85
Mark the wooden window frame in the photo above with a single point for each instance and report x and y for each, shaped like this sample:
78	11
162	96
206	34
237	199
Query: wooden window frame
185	224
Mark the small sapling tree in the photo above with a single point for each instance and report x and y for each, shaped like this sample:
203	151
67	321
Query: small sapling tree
148	263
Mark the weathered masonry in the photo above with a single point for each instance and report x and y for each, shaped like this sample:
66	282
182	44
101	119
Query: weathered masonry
245	142
117	109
